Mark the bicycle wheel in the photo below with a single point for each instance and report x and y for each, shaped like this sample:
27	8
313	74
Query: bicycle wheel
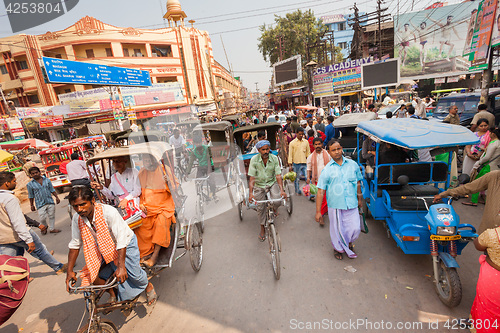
195	245
200	205
274	250
240	210
105	326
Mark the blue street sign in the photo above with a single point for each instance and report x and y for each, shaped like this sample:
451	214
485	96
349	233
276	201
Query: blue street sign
79	72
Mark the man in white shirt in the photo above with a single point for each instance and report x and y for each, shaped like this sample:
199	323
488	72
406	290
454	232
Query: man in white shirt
321	112
77	171
315	164
124	183
109	248
178	142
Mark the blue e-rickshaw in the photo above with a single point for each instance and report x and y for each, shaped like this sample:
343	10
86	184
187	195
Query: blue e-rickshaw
401	194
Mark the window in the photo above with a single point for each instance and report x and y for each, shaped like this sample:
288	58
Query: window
34	99
59	56
90	53
342	45
161	50
67	91
137	53
23	64
3	69
342	26
109	52
125	53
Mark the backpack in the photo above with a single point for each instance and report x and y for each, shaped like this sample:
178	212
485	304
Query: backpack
14	277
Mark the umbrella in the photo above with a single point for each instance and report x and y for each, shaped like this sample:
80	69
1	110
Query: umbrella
5	156
306	107
21	144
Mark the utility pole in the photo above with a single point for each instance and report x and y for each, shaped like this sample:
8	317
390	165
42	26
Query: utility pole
379	14
356	30
281	45
486	81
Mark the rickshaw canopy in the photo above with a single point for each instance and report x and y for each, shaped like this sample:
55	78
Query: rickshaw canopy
417	134
353	119
142	136
271	129
215	126
156	149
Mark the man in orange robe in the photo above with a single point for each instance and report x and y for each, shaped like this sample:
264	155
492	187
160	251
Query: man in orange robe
157	203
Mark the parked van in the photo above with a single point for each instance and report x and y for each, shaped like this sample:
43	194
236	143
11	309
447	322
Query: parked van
467	105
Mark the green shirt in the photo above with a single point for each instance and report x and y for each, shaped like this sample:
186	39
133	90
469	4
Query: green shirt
264	175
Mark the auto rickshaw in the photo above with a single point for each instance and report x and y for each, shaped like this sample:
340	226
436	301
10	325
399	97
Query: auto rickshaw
401	194
347	125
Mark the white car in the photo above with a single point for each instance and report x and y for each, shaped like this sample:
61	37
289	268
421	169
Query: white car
282	121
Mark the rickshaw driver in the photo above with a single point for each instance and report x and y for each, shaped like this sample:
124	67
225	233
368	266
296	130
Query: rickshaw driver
157	203
109	248
265	176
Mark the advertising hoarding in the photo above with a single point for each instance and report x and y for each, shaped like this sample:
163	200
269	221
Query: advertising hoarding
157	93
288	70
431	42
382	74
480	45
89	100
15	128
51	122
338	78
495	34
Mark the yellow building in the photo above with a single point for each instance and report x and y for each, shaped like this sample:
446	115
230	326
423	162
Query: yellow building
178	53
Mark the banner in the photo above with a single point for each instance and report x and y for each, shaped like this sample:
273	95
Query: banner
89	100
432	41
439	80
495	34
338	78
157	93
480	45
131	115
51	122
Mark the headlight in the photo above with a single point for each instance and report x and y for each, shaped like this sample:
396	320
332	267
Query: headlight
446	231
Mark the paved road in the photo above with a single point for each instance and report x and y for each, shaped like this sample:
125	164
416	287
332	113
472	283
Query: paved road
235	290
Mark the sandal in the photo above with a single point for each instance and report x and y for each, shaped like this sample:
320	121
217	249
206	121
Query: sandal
262	237
151	297
467	203
338	255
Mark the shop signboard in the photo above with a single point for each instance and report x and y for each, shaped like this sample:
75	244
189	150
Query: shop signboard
439	80
131	115
430	42
15	128
157	93
51	122
480	44
338	78
162	112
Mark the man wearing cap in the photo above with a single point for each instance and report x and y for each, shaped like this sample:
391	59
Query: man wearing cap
265	177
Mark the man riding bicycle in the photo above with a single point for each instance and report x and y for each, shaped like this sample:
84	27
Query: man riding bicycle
265	177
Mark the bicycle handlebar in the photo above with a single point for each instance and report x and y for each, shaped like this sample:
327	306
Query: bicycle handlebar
72	288
270	200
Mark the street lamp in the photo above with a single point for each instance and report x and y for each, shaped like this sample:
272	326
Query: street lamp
310	66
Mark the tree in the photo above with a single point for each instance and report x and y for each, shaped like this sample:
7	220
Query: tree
296	30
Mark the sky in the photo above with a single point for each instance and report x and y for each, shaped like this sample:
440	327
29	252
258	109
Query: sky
232	24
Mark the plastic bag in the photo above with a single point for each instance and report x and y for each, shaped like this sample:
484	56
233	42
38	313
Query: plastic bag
306	190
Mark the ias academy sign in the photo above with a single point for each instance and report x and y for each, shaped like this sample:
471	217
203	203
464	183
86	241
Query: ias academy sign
339	78
25	14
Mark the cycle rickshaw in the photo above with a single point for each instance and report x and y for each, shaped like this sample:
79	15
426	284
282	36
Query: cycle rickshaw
278	142
185	235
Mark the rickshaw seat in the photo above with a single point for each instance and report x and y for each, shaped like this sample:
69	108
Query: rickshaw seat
220	155
403	199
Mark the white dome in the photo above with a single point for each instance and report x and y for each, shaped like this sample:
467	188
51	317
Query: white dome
173	5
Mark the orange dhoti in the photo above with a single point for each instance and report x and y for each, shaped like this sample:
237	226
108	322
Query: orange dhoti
160	209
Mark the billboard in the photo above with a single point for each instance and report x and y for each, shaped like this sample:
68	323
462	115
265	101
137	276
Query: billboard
51	122
89	100
288	70
338	78
480	45
382	74
157	93
495	34
431	42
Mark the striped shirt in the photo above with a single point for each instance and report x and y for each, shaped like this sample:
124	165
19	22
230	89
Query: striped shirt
41	193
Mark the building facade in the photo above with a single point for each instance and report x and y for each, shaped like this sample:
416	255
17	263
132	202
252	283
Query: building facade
341	26
176	54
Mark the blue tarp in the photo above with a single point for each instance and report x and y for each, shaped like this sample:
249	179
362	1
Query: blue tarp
417	134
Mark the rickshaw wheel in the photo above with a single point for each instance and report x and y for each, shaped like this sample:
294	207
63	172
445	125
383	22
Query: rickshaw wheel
274	249
288	200
195	245
449	287
105	326
240	210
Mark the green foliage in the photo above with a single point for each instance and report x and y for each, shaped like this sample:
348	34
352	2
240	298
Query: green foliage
297	29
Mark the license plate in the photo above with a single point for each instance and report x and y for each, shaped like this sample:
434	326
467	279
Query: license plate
65	181
445	238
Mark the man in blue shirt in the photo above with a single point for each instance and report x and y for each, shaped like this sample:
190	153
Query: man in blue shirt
411	112
330	131
40	191
340	180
